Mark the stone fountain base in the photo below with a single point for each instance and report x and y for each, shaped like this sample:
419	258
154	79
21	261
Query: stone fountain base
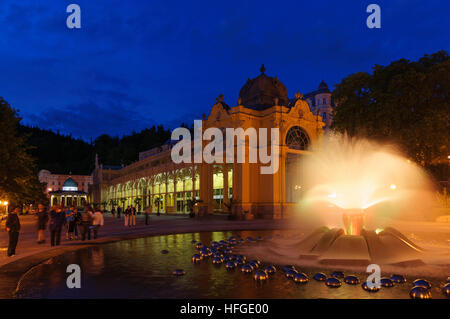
332	246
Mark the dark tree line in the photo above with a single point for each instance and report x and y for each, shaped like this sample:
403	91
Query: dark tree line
125	150
64	154
60	154
406	102
18	173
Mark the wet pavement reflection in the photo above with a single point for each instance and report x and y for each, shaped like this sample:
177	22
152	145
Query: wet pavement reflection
138	269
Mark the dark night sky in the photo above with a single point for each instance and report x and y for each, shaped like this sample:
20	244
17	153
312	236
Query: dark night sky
138	63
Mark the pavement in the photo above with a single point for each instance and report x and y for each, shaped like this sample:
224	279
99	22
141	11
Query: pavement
30	254
114	229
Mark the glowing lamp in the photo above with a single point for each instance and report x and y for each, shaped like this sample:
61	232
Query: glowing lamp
393	186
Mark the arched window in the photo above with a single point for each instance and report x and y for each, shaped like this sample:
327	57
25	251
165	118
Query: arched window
297	139
324	101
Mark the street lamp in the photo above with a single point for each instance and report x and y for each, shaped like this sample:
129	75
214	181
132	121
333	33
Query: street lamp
5	204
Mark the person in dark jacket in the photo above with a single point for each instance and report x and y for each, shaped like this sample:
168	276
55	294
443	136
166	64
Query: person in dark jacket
13	228
57	221
86	222
77	215
147	214
42	216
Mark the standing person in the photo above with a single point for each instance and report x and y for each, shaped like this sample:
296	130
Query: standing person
113	212
77	221
57	221
71	224
126	215
13	228
68	214
86	221
42	216
132	221
119	210
97	221
147	214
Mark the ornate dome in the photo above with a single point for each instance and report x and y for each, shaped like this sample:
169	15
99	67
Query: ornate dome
263	91
70	185
323	87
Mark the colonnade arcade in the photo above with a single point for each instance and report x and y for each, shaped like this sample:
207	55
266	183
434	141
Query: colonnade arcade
67	199
169	191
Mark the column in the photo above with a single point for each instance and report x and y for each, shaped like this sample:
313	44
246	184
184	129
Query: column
175	191
206	189
167	192
225	187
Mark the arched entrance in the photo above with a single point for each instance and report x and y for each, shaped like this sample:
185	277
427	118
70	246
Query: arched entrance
297	141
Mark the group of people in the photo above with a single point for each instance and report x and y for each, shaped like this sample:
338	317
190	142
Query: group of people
130	215
75	223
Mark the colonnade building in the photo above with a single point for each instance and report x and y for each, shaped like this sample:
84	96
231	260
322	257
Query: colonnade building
239	189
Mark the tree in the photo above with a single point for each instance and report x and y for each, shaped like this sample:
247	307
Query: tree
405	102
18	176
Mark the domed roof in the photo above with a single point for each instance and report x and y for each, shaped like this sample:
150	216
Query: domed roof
70	184
262	92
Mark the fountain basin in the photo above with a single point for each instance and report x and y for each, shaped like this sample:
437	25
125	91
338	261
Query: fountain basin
334	247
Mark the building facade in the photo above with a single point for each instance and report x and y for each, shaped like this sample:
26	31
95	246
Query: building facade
55	182
66	189
321	102
240	189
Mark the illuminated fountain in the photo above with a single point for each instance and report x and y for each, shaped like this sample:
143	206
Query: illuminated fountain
353	186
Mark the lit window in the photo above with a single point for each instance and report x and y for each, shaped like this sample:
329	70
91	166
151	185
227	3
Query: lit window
69	188
296	138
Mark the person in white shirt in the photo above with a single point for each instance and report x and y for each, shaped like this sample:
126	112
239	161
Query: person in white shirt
97	221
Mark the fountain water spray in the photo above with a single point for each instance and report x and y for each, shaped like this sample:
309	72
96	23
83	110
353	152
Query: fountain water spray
360	182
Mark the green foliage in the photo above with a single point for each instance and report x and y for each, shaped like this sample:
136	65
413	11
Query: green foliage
405	102
125	150
18	175
61	154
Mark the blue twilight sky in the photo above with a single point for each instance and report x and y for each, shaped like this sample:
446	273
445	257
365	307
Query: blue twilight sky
135	63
